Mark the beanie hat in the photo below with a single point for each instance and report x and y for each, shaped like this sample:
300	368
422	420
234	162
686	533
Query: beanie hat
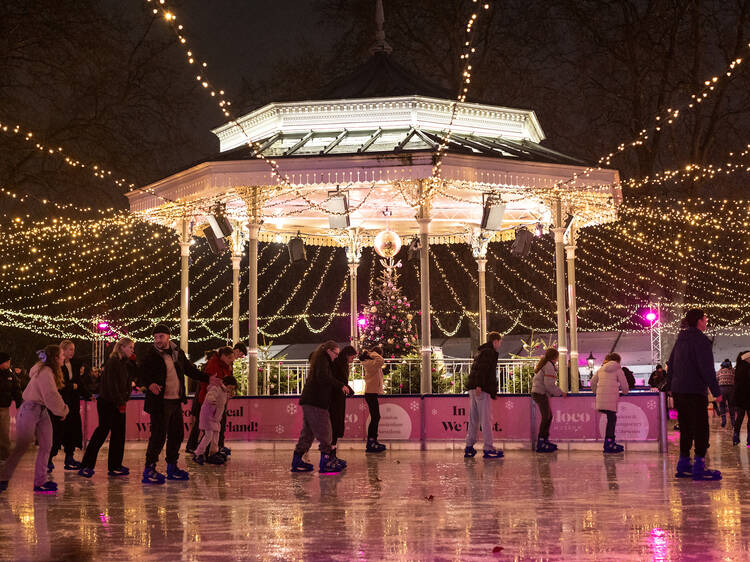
229	381
726	364
4	357
161	329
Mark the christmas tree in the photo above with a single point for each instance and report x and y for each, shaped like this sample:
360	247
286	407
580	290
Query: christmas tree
388	319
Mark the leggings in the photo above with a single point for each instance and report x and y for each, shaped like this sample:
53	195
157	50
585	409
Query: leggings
611	422
542	400
374	407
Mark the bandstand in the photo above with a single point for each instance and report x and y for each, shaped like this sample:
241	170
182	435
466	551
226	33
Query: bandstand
384	151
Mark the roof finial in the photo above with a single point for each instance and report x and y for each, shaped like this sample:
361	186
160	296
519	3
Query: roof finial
381	45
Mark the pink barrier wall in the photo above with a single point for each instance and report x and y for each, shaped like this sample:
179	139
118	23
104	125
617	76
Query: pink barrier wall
411	418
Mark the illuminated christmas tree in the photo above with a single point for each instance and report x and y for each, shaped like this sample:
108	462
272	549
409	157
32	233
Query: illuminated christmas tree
388	319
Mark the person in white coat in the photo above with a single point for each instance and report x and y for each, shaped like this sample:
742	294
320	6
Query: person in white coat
40	398
212	412
608	382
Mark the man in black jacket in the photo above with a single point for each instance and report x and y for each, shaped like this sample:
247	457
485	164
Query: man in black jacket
163	369
482	385
10	391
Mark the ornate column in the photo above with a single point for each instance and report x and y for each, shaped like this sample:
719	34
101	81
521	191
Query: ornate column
252	348
570	251
353	255
479	242
424	268
559	232
184	232
237	244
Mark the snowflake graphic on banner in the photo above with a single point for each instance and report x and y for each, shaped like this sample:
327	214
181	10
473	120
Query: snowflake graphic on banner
279	429
434	412
509	405
414	405
291	408
651	404
362	407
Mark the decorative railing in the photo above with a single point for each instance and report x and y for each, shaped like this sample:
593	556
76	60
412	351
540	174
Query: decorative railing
401	376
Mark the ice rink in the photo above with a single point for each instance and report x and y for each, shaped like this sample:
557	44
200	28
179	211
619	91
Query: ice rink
432	505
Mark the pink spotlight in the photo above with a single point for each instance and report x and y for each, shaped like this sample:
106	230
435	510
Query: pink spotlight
651	316
103	325
362	321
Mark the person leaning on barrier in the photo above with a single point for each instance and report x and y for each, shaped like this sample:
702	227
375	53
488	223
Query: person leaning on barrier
482	385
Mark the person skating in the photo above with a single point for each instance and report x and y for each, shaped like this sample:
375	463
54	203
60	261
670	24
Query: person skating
163	369
68	434
372	366
544	385
40	398
337	410
212	412
725	376
482	385
741	395
691	365
316	420
10	391
608	382
218	366
116	384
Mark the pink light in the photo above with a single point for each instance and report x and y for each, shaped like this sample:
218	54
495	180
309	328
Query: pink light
362	321
651	316
103	325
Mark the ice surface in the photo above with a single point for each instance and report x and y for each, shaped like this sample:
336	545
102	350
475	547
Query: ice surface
426	505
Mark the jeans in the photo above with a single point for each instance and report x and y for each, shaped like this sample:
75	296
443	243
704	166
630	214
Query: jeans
692	415
542	400
316	424
4	433
480	413
166	425
374	407
727	393
611	422
32	420
111	420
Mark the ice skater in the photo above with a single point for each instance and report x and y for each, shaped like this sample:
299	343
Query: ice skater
316	420
41	397
691	365
725	376
212	412
482	385
219	366
10	391
372	365
741	395
337	410
116	385
163	369
543	386
608	382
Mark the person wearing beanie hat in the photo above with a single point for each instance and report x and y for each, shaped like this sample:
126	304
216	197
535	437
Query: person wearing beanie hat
691	366
212	413
725	376
10	391
163	369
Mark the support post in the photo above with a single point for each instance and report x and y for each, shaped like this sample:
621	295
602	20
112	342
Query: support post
481	270
252	347
559	232
184	280
353	326
573	312
236	259
424	268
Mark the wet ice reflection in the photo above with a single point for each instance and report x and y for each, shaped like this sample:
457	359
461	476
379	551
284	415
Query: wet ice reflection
407	505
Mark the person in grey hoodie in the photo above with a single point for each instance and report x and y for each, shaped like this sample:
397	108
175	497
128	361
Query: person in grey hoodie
691	364
41	397
607	384
543	386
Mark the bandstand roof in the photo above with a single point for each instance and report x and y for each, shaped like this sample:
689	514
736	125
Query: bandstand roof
378	150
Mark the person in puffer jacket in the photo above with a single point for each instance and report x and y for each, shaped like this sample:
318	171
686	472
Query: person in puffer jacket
40	398
544	385
607	384
212	413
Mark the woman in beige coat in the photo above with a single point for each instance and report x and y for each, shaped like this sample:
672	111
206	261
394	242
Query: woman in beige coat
607	384
372	364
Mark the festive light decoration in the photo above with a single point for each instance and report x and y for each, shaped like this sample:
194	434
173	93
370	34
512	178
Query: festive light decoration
387	244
